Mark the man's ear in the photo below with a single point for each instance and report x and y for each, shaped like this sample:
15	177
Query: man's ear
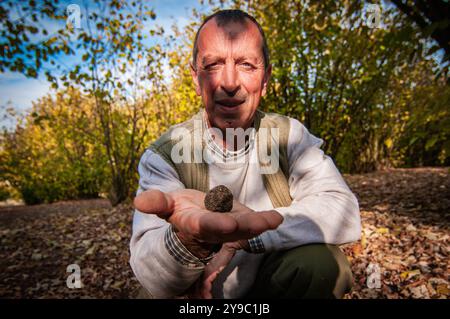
195	78
266	79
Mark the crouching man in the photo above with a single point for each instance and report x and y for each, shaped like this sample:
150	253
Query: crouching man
291	206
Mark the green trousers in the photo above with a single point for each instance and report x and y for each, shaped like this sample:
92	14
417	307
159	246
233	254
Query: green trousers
310	271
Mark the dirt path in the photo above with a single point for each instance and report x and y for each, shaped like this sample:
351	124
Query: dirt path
405	215
73	207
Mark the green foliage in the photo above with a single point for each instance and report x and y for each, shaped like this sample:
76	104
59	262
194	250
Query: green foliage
371	94
26	44
426	137
5	191
363	90
53	153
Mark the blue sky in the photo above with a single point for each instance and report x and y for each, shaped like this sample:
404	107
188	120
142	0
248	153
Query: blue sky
19	91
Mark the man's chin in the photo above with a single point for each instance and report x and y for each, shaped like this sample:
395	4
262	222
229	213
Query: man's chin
223	120
225	123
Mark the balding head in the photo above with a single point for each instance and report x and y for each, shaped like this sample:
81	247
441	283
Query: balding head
231	68
223	19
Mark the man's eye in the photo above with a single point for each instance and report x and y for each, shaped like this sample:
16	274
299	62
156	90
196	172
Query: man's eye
212	66
247	65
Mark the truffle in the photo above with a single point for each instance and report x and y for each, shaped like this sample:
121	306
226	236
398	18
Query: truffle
219	199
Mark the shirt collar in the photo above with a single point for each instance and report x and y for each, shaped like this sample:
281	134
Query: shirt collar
219	149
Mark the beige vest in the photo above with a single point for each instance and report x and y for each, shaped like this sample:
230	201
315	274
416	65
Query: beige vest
195	175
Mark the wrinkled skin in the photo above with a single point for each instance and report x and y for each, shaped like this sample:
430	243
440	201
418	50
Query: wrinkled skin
230	73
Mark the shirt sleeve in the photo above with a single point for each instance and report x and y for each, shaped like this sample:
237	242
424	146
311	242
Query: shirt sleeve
324	210
160	262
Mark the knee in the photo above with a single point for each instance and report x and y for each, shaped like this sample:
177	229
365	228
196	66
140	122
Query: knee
313	271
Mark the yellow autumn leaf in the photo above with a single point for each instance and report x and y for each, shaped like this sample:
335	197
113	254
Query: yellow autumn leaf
91	250
382	230
363	241
443	290
409	274
388	142
118	284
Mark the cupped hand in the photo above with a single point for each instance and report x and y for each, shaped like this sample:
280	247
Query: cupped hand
202	289
185	210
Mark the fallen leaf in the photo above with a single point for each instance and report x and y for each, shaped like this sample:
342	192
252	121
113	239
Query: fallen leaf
36	256
443	290
382	230
91	250
406	275
420	292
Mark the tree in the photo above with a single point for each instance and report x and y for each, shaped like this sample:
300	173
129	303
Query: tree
433	17
347	81
122	70
53	154
118	69
25	42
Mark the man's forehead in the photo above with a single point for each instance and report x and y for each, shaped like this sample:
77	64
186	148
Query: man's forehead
245	34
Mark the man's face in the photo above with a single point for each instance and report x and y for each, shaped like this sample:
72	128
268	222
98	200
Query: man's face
230	75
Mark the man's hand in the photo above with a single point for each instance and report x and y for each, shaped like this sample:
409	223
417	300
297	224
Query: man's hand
197	228
202	287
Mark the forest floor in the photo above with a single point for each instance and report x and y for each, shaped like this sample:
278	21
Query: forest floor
403	252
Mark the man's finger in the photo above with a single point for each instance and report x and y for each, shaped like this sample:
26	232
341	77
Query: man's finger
257	222
204	225
226	227
272	217
220	260
206	286
155	202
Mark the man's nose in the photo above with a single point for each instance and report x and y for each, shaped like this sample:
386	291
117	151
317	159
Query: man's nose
230	81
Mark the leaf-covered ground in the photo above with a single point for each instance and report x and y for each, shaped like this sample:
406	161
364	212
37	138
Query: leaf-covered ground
405	215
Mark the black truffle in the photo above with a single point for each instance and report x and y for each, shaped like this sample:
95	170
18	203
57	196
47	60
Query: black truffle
219	199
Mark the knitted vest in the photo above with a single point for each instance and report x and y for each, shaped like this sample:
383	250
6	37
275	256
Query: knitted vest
195	175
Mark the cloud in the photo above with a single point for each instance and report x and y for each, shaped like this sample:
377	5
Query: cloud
20	90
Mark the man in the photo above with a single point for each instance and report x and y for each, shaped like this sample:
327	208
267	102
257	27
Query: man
280	240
